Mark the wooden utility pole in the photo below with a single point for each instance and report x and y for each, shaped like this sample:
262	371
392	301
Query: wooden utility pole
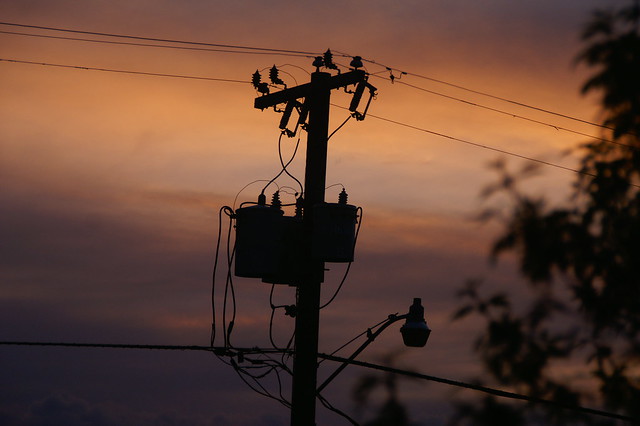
316	96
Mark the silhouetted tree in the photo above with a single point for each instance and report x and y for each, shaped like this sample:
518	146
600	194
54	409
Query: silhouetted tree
581	260
391	412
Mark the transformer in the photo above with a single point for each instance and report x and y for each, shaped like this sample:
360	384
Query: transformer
289	257
259	240
334	230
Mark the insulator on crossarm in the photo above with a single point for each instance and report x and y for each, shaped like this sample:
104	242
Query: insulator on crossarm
256	79
275	200
274	76
318	62
328	60
342	198
356	62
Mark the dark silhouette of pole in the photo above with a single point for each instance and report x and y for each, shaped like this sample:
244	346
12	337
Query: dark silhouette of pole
317	96
305	364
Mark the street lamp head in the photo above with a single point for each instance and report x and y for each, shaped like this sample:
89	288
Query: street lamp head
415	331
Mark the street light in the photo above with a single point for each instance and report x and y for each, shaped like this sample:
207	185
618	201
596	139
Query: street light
415	333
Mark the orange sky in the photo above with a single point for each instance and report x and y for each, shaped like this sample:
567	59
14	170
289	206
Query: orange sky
111	182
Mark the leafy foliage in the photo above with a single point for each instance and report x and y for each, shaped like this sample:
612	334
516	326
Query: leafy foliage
582	262
391	412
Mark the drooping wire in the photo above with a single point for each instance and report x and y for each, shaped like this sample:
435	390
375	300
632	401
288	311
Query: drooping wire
456	383
346	272
339	127
262	390
284	166
368	330
235	200
330	407
229	289
227	210
273	310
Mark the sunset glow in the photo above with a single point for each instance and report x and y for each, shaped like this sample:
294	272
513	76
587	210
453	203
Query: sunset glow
112	182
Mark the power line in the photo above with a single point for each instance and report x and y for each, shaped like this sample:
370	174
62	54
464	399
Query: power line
116	346
489	95
163	46
521	104
255	49
255	350
154	74
476	144
163	40
479	145
499	111
479	388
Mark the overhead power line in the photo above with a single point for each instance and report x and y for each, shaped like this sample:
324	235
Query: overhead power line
520	104
255	350
266	50
162	46
491	391
489	95
163	40
388	120
482	146
154	74
507	113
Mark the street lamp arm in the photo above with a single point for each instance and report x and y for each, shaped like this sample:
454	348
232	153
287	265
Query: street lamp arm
371	336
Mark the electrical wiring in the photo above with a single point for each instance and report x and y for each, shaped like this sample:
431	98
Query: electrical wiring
482	146
455	383
273	310
488	147
367	331
339	127
278	68
245	187
126	43
341	413
284	166
262	391
270	366
478	92
509	114
166	40
478	145
295	66
144	73
229	212
346	272
227	48
229	289
265	366
491	391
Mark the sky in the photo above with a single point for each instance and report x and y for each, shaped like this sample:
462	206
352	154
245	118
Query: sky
112	183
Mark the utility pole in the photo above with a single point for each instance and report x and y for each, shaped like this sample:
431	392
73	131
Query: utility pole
316	96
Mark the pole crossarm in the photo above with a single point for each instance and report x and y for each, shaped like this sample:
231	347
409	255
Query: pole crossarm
303	90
